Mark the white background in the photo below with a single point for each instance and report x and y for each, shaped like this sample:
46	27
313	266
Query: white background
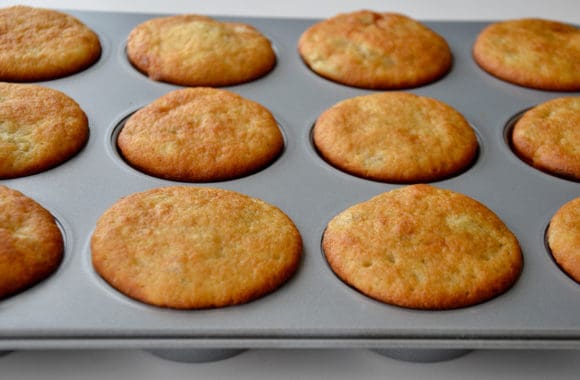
563	10
305	364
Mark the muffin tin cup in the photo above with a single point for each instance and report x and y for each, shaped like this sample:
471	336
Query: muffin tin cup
75	308
195	356
209	355
422	355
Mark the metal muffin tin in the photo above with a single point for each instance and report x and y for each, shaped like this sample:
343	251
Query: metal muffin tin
75	308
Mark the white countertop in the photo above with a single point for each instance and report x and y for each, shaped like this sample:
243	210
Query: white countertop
305	364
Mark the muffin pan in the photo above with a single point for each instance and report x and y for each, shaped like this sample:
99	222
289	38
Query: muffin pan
75	308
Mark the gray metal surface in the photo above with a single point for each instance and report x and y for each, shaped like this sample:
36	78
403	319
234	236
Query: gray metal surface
75	308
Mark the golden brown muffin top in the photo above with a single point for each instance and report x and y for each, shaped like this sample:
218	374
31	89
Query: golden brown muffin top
188	247
193	50
564	238
375	50
31	244
41	44
395	137
536	53
423	247
40	128
201	134
548	137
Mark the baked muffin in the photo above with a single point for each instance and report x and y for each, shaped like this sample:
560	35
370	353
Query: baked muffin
189	248
375	50
194	50
31	244
531	52
41	44
395	137
40	128
422	247
548	136
564	238
201	134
